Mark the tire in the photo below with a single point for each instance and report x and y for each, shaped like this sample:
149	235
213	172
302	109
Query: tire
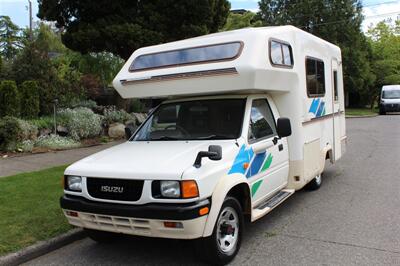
382	112
211	249
315	183
101	236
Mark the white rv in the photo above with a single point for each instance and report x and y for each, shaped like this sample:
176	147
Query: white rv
250	117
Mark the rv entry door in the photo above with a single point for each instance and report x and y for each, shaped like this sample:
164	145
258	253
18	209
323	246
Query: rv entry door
336	88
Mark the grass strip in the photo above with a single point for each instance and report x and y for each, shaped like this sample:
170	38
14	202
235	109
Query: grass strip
30	209
361	111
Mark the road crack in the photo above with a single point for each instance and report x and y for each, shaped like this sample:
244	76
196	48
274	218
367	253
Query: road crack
339	243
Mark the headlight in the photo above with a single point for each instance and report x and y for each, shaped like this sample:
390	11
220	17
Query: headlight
74	183
170	189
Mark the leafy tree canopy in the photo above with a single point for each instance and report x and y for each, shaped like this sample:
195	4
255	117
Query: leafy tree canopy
239	21
385	42
121	26
10	40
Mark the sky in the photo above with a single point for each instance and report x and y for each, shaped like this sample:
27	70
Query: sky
374	10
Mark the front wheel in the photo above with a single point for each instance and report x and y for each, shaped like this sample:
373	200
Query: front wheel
315	183
224	243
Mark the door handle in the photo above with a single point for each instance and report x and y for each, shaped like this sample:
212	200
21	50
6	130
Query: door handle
280	147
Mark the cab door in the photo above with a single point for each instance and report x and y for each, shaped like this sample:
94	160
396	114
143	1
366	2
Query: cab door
269	167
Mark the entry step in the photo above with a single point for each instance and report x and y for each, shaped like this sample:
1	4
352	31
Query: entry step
268	205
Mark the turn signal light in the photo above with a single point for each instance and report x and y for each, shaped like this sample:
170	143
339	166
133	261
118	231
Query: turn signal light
203	211
189	189
173	224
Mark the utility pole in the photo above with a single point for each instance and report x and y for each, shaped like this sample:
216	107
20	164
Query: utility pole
30	20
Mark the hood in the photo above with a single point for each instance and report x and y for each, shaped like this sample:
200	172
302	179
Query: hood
161	160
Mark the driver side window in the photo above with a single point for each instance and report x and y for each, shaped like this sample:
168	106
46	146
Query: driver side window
262	122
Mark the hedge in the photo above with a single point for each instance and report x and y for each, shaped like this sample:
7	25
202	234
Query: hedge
30	101
9	99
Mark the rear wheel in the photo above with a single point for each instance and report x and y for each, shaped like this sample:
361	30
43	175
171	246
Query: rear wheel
224	243
315	183
101	236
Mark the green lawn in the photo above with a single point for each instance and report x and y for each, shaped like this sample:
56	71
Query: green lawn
361	111
29	208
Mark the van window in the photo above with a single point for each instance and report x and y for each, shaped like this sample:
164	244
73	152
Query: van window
262	122
315	76
195	55
391	94
281	54
335	85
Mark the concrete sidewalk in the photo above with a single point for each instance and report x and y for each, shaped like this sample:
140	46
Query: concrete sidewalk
35	162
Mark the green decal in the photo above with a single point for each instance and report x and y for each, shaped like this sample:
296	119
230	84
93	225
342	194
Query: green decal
267	163
255	187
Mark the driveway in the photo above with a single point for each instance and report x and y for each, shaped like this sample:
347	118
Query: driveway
36	162
353	219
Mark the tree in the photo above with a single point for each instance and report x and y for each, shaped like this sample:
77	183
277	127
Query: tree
9	98
29	94
239	21
337	21
384	39
10	41
120	26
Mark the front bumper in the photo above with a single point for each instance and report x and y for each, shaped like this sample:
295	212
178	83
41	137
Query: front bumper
144	220
390	107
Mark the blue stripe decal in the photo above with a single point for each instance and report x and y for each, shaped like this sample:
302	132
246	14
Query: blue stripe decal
244	156
314	106
256	164
320	109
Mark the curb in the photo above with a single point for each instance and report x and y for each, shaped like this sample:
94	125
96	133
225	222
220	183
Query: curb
42	248
361	116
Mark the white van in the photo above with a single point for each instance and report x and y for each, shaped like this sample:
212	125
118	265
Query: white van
390	99
250	117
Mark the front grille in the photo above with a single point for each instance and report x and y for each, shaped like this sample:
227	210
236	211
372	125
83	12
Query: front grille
114	189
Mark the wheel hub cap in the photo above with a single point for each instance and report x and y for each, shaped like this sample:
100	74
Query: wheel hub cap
227	230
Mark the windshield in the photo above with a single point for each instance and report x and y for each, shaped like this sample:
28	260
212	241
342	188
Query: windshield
194	120
392	94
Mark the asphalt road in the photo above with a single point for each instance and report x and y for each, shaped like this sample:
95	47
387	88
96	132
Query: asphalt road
354	219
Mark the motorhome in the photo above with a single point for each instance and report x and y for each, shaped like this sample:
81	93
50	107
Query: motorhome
249	117
390	99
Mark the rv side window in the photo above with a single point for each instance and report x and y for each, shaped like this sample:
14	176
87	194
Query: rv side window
281	54
315	75
262	123
335	85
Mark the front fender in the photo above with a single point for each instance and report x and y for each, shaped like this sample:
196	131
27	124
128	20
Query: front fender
224	185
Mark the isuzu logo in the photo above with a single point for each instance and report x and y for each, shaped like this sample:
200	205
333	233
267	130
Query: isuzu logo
112	189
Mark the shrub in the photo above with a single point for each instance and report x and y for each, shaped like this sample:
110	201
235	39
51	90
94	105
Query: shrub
44	122
56	142
9	98
112	115
29	95
28	131
85	103
9	129
26	145
80	122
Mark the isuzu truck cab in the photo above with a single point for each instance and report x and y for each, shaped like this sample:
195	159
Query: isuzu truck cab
249	117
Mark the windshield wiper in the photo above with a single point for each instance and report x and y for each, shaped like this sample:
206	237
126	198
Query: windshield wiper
216	137
165	138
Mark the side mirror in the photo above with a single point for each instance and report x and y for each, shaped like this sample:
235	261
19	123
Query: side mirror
283	127
129	130
214	153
